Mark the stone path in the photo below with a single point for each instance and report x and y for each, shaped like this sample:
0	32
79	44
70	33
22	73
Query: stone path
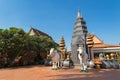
45	73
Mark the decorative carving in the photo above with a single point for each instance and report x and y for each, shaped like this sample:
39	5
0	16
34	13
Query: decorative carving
112	56
107	56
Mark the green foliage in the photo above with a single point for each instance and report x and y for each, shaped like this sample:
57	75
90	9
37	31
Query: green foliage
118	59
14	41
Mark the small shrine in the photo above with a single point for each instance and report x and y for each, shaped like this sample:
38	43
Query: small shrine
63	50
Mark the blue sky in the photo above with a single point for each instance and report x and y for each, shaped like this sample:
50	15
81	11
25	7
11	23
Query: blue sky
57	17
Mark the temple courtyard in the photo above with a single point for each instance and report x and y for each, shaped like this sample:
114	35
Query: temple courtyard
45	73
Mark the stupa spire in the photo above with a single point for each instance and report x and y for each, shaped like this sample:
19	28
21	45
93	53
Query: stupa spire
79	14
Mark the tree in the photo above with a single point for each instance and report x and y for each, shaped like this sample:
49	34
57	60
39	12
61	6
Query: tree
17	44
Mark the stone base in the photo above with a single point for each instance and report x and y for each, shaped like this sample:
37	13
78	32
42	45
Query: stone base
76	64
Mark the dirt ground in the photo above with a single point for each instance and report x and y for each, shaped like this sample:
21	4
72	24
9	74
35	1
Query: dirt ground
45	73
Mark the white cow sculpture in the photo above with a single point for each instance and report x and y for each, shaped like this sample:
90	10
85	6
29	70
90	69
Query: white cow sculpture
55	59
83	57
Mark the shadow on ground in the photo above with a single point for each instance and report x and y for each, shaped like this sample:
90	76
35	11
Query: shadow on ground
93	74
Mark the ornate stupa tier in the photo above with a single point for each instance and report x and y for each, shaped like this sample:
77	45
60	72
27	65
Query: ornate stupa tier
89	41
61	45
89	37
61	48
62	42
90	46
80	28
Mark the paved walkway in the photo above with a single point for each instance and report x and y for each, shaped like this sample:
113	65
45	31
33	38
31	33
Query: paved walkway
45	73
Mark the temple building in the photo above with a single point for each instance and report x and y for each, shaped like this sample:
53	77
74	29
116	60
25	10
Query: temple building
34	31
90	42
100	47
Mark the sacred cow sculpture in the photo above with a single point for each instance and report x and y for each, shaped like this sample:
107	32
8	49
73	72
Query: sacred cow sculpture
55	59
83	57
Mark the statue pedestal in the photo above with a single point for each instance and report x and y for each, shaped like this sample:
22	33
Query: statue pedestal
68	63
98	66
97	63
